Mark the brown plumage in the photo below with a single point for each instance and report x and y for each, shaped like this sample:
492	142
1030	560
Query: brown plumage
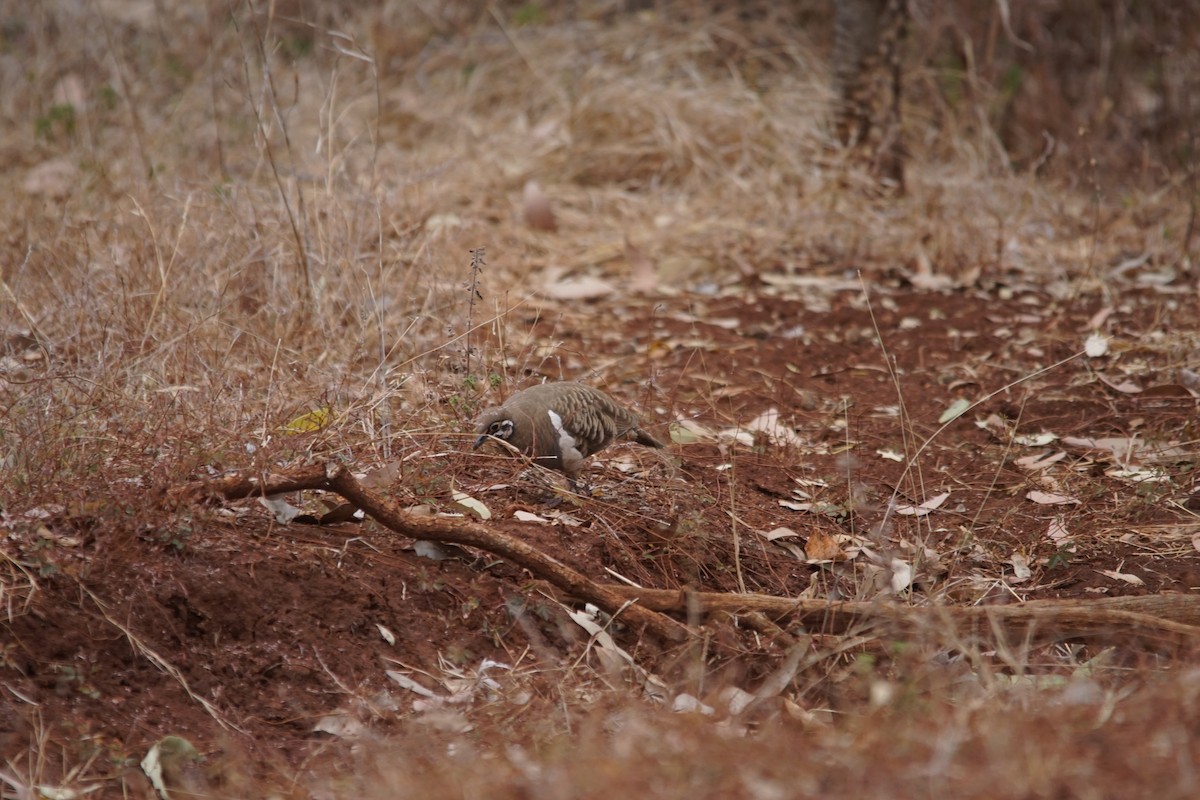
559	425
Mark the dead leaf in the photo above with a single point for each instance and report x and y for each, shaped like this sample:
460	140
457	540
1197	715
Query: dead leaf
1122	448
688	431
928	507
1036	463
470	504
995	425
1099	318
1058	534
1167	391
586	287
1124	387
1020	565
955	410
1138	474
778	533
284	511
644	276
823	547
1132	580
1190	380
1051	499
1034	439
538	213
1095	345
54	178
768	423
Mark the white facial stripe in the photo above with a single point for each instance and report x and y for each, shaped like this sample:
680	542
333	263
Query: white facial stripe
566	442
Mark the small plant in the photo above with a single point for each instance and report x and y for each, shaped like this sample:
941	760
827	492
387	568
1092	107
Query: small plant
176	538
529	14
71	679
478	262
58	121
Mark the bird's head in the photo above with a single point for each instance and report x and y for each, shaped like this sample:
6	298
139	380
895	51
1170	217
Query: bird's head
494	424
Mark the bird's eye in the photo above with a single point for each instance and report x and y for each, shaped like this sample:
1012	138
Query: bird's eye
495	427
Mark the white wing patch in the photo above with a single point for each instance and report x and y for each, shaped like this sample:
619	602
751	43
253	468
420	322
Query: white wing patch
566	442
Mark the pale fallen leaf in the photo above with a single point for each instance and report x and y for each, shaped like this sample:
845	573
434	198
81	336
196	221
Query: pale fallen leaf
284	511
1057	533
470	504
796	551
1196	542
768	423
1020	565
1124	387
1132	580
924	278
1122	447
736	699
688	431
687	704
818	283
796	506
586	287
55	178
777	533
1095	345
995	425
902	575
587	619
644	276
1138	474
928	507
891	455
1034	439
343	726
1035	463
408	683
724	323
442	222
536	205
1050	498
1099	318
527	516
955	410
387	635
431	550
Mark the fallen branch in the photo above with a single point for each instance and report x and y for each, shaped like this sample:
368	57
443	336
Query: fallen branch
1170	618
449	530
1163	617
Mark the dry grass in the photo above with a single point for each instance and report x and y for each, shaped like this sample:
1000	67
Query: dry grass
214	223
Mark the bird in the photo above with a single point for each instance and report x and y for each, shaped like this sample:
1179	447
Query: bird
558	425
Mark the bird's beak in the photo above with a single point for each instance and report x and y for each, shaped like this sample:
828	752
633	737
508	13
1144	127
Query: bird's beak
480	441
